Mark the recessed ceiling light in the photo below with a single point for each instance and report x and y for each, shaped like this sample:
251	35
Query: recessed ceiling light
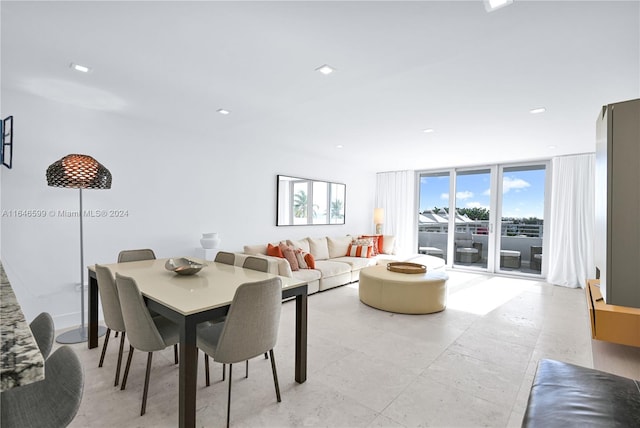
339	146
223	111
80	68
537	110
428	130
325	69
491	5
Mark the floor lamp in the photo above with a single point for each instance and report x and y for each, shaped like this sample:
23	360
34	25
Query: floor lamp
79	172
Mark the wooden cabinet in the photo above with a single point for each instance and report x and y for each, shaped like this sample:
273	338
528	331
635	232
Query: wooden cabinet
617	201
612	323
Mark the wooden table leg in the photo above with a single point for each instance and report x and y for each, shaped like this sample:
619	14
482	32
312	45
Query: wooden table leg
188	373
301	337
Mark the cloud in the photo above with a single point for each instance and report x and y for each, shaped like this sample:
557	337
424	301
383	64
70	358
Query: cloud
465	194
509	183
475	204
444	196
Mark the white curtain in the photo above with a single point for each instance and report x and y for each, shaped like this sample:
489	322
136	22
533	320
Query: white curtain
570	255
395	193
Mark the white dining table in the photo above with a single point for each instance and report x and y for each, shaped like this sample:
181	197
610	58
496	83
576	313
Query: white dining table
189	300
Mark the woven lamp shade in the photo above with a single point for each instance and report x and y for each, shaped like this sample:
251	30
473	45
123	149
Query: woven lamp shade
78	172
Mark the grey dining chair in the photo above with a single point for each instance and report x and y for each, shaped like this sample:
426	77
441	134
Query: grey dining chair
52	402
44	332
256	263
112	314
262	265
250	329
136	255
126	256
225	257
146	333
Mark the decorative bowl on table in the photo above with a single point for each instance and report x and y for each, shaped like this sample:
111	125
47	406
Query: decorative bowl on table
183	266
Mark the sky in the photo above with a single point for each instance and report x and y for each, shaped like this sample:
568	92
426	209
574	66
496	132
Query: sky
522	195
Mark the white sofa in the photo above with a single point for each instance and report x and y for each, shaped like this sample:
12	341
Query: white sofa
333	267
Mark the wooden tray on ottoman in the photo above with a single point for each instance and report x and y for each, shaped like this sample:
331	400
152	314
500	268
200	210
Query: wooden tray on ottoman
405	267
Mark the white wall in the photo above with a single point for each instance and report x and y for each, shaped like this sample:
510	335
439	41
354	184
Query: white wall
173	185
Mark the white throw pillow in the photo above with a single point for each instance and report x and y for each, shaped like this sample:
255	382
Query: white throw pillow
319	248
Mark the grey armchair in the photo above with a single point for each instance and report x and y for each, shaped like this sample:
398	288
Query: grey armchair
44	332
112	313
52	402
250	329
146	334
466	249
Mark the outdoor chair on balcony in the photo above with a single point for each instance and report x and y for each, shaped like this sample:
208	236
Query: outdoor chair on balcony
467	251
536	258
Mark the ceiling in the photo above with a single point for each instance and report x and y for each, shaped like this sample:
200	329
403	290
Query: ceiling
401	67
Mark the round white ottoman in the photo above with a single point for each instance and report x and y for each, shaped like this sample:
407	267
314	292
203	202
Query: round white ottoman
404	293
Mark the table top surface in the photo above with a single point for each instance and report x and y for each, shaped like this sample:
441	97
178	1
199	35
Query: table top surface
214	286
22	363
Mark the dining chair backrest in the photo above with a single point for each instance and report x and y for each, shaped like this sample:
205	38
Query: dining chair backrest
225	257
141	330
44	332
136	255
52	402
109	298
251	326
256	263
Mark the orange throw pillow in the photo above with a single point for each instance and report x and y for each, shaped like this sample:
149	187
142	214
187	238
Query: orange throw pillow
274	251
311	263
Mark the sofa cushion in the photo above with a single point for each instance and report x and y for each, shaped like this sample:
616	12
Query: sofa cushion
338	247
319	248
330	268
303	244
255	249
307	275
388	244
356	263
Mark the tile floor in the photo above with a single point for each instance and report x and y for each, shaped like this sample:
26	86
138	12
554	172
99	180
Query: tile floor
471	365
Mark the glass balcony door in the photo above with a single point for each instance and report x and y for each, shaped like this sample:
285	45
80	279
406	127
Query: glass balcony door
521	220
472	222
433	216
493	222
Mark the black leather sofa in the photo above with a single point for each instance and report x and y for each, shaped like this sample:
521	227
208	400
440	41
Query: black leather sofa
565	395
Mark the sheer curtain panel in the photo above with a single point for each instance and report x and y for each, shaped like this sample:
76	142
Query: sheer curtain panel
395	193
570	257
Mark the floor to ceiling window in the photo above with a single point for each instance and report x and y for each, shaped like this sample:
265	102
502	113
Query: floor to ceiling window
494	222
